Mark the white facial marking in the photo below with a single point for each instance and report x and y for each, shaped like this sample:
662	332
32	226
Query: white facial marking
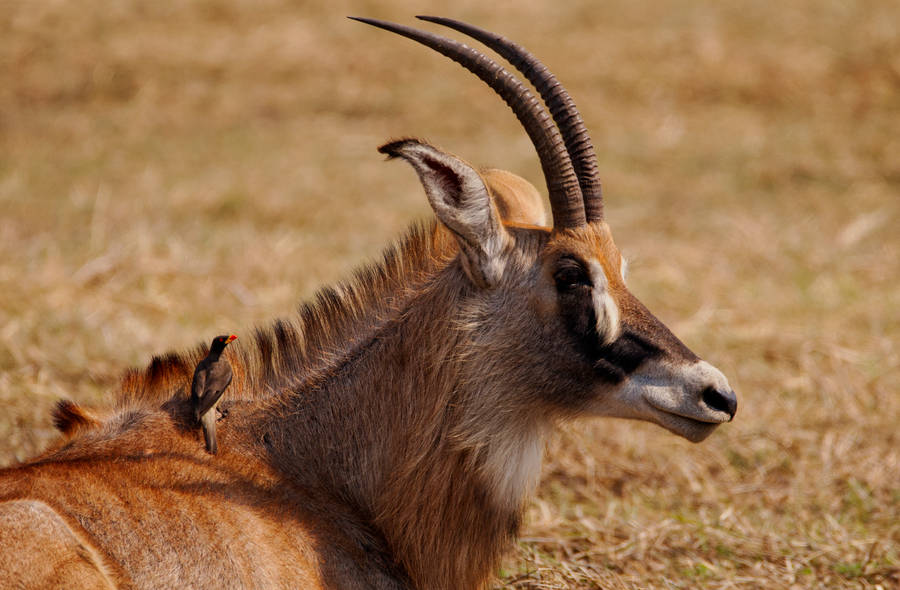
605	308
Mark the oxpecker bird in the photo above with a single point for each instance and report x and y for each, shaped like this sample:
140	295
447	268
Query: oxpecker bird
211	378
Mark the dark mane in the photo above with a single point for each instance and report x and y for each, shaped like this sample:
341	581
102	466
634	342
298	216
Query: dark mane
300	349
69	417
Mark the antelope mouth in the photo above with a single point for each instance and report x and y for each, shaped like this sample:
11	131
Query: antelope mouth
691	400
693	421
689	417
693	428
690	404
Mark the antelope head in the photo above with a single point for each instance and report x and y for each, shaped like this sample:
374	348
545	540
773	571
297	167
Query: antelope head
549	307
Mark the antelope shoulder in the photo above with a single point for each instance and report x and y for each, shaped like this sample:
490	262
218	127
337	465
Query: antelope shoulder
41	550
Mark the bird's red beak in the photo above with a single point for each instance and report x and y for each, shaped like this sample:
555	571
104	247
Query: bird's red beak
230	338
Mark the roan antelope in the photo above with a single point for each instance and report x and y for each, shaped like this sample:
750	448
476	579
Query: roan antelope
387	437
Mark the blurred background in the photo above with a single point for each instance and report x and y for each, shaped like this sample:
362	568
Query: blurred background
171	171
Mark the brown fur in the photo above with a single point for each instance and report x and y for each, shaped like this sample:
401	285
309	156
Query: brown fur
146	453
386	437
69	418
314	338
389	435
67	559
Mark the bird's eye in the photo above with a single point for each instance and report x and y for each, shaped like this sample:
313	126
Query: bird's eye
571	274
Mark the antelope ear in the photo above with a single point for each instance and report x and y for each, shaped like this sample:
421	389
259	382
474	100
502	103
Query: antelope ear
461	201
516	199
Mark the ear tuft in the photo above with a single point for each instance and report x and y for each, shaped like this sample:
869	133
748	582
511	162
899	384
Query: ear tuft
394	149
460	199
442	175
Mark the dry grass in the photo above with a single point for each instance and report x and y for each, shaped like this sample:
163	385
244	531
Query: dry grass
168	174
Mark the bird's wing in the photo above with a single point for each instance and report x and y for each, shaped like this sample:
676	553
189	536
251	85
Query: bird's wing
210	400
198	385
211	397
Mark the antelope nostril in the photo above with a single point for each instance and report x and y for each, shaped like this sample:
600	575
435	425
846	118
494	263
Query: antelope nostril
723	401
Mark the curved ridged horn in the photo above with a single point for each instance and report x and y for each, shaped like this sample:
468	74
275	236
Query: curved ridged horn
558	101
566	200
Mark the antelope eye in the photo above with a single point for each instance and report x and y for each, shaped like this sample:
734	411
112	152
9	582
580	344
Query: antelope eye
570	275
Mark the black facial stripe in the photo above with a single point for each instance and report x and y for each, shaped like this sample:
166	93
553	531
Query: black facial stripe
606	371
611	362
628	351
578	314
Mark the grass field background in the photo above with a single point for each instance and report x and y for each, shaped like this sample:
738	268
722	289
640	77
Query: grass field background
172	171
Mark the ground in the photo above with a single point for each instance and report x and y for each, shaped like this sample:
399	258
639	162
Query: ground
169	174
